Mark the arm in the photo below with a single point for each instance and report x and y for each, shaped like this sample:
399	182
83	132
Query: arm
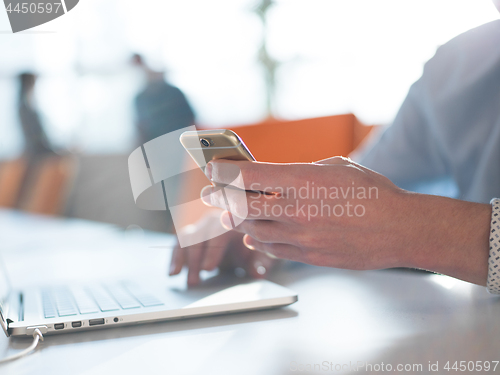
390	228
451	237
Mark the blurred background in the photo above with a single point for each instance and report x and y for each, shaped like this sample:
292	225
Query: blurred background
235	61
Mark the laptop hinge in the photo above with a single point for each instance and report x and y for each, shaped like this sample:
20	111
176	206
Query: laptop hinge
5	323
12	311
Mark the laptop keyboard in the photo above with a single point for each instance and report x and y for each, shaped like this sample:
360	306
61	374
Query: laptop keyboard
66	302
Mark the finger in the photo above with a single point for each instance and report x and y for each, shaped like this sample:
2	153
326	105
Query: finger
279	250
214	252
260	264
253	205
335	160
347	165
177	260
205	195
341	160
250	175
262	230
194	258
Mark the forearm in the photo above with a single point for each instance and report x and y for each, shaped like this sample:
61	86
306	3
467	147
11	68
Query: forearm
450	236
395	228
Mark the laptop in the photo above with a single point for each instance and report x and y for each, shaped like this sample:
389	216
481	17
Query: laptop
81	307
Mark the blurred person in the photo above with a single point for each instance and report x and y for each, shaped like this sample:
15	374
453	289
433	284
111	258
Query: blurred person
160	106
36	142
37	146
448	126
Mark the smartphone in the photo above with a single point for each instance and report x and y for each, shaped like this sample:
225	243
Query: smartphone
207	145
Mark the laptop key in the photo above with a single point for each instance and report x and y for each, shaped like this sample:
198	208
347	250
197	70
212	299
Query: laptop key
67	312
84	301
48	306
103	300
64	302
124	299
146	300
88	310
132	305
57	302
109	307
49	313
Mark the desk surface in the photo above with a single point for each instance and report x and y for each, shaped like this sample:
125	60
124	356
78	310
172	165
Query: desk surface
389	317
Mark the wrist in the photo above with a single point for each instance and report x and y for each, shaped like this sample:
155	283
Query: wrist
448	236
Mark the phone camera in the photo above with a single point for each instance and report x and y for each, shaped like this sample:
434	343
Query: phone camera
205	142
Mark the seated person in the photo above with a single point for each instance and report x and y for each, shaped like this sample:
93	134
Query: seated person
448	126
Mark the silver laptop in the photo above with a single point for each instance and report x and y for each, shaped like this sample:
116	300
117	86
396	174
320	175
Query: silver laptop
80	307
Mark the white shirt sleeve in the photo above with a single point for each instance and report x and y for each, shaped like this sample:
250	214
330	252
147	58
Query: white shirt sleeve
409	150
448	128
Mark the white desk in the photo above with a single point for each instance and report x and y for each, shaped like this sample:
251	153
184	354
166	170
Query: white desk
391	317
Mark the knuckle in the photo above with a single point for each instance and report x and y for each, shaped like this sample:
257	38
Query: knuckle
239	208
249	175
256	233
260	231
277	251
304	240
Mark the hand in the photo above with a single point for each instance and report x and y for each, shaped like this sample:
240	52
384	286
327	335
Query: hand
226	251
351	217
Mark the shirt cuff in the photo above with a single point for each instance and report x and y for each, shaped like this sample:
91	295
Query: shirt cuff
493	283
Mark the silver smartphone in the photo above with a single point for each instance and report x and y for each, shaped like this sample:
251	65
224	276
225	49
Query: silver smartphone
207	145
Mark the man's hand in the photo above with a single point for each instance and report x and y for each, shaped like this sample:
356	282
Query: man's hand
226	251
339	214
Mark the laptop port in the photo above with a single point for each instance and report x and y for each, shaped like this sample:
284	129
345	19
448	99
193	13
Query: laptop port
59	326
76	324
95	322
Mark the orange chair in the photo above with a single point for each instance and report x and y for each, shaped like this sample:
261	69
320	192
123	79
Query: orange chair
38	186
303	141
49	186
12	174
297	141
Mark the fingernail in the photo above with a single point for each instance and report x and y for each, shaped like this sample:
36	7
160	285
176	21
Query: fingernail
172	269
245	242
206	195
208	170
225	220
205	265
